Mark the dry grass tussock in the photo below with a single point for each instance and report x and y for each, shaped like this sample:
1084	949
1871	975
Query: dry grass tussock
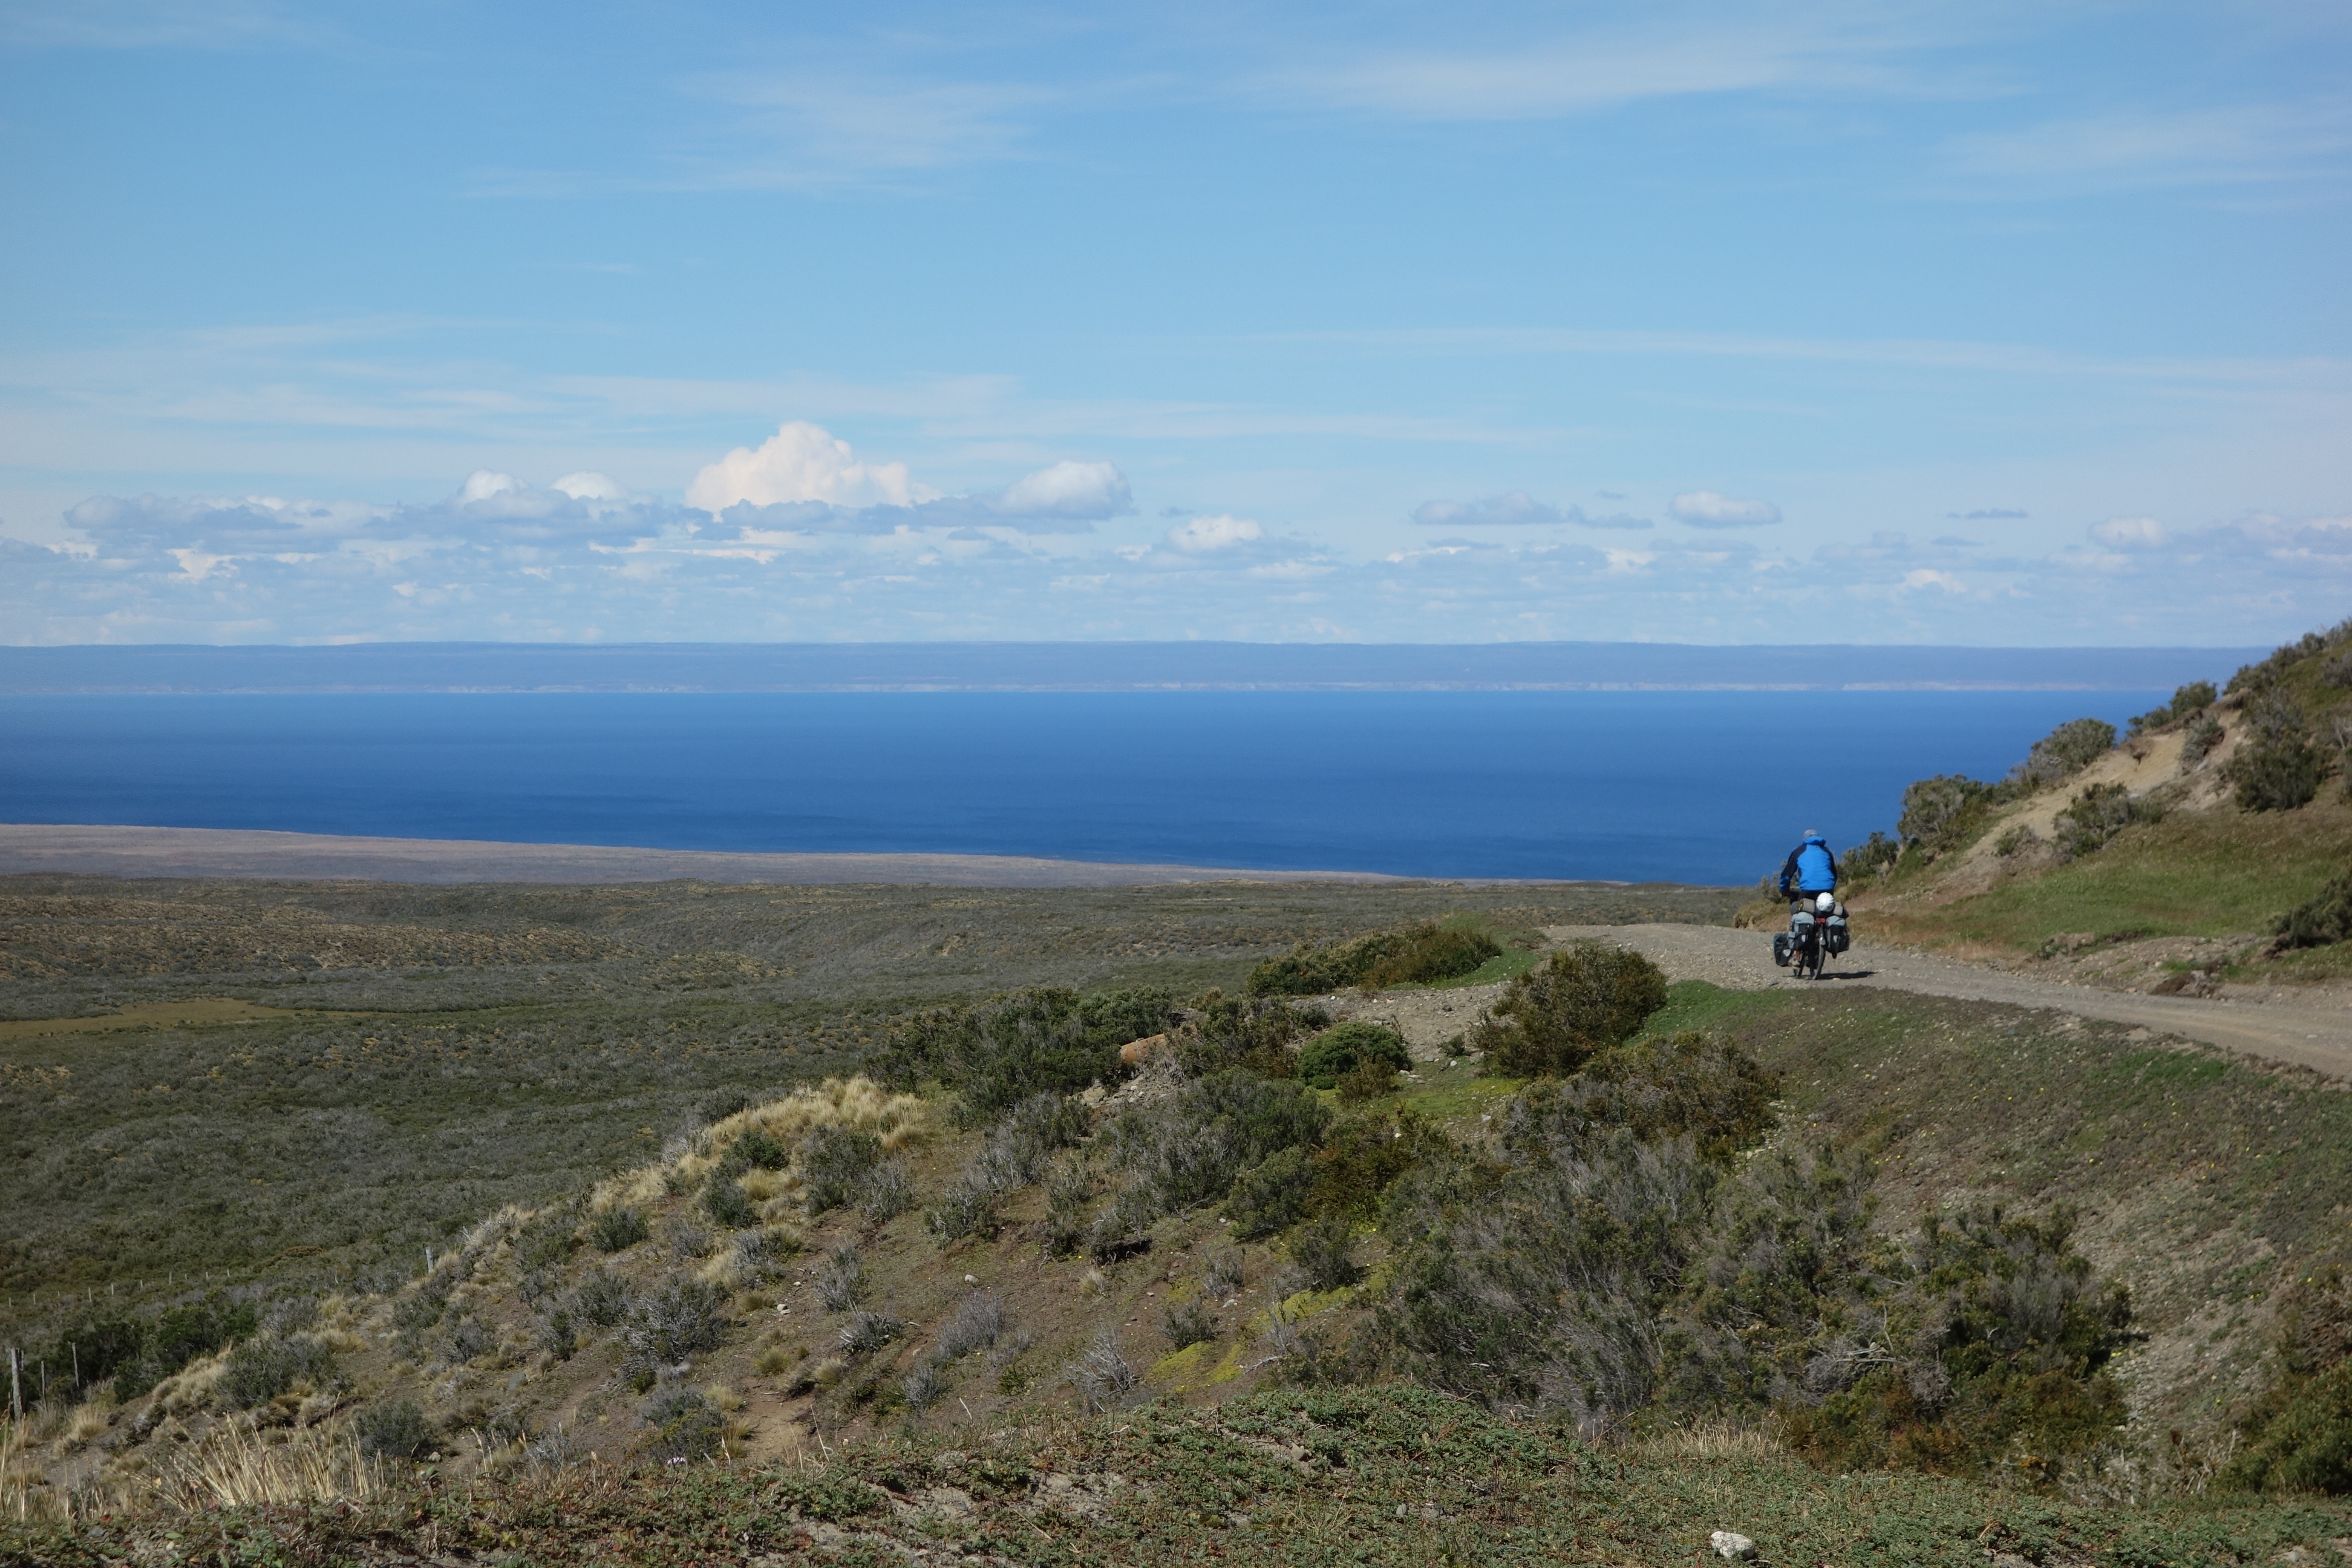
1710	1440
235	1467
851	1104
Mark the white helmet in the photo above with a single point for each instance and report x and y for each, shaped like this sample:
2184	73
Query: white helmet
1825	903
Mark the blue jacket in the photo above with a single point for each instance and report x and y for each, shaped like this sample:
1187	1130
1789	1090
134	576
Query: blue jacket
1811	868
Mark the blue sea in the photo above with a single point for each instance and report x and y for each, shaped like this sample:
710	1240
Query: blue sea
1688	786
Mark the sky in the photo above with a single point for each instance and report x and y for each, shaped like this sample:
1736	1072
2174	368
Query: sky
1982	323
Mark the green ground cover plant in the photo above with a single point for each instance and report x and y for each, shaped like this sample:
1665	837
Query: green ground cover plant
1577	1002
1334	1053
1417	954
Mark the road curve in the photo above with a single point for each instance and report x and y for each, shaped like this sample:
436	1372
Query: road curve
2319	1038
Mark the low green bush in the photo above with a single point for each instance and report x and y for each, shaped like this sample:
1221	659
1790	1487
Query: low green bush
836	1164
1324	1252
1186	1323
1414	954
2321	921
727	1204
1252	1033
394	1429
1338	1051
617	1229
2097	815
2191	698
2065	752
1185	1149
2276	775
683	1426
262	1368
1578	1002
2298	1432
998	1053
1271	1195
674	1321
2197	742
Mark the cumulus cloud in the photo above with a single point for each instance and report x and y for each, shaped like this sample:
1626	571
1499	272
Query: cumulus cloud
1705	509
1202	535
1071	492
2131	534
588	486
801	462
1514	509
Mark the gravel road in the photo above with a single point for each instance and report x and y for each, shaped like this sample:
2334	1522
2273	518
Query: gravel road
2312	1036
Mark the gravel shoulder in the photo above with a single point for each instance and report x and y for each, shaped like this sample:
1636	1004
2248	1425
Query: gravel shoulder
2317	1038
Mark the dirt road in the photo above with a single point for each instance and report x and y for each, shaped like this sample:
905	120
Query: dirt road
2316	1037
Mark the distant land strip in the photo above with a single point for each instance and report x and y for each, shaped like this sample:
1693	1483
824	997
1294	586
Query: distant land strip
97	850
167	669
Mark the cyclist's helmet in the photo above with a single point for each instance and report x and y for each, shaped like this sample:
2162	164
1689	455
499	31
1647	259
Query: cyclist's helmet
1825	903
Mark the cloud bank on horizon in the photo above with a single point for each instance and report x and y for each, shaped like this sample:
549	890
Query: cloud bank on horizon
1697	323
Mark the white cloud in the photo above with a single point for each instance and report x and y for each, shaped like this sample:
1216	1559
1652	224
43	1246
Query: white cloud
801	462
484	483
1204	534
2131	534
1087	492
1515	509
589	486
1927	577
1705	509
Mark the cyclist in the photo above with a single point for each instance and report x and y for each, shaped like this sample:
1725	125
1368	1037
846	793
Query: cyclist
1810	872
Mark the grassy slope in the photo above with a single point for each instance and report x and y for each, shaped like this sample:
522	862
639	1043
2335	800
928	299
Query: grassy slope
462	1048
2216	873
1386	1476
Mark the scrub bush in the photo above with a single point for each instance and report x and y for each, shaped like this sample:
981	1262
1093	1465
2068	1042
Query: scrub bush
396	1429
836	1162
1578	1002
840	1279
1187	1324
1334	1053
1185	1148
2299	1431
618	1229
1414	954
1254	1033
1271	1195
262	1368
2320	921
867	1332
676	1321
2191	698
1939	813
1324	1251
2065	752
2204	732
684	1426
998	1053
2097	815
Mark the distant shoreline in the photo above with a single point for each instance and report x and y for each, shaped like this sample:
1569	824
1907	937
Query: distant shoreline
199	853
94	671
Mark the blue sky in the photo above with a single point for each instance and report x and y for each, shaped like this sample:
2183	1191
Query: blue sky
1975	323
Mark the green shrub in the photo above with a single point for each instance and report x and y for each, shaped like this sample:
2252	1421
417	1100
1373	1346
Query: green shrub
1873	857
1580	1001
1692	1086
1185	1148
262	1368
727	1204
683	1426
2299	1431
1938	812
1361	1156
1000	1052
2015	840
676	1321
178	1336
887	1192
867	1332
2098	814
601	1299
2193	697
617	1229
2197	742
827	1495
1324	1251
1188	1323
1271	1195
2065	752
2276	774
2321	921
840	1279
1367	1081
721	1103
1337	1052
968	1207
1414	954
1252	1033
396	1429
836	1162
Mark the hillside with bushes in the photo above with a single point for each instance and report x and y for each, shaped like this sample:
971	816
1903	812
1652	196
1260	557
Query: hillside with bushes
2208	846
1022	1291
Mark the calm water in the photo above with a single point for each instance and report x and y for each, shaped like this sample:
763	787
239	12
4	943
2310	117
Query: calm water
1682	785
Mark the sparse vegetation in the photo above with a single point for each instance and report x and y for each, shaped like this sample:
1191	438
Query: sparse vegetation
2097	815
2320	921
1416	954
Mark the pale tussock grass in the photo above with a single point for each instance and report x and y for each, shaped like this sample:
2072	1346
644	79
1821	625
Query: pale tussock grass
235	1467
853	1104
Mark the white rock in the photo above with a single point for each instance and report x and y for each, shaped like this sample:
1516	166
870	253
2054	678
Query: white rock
1730	1544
